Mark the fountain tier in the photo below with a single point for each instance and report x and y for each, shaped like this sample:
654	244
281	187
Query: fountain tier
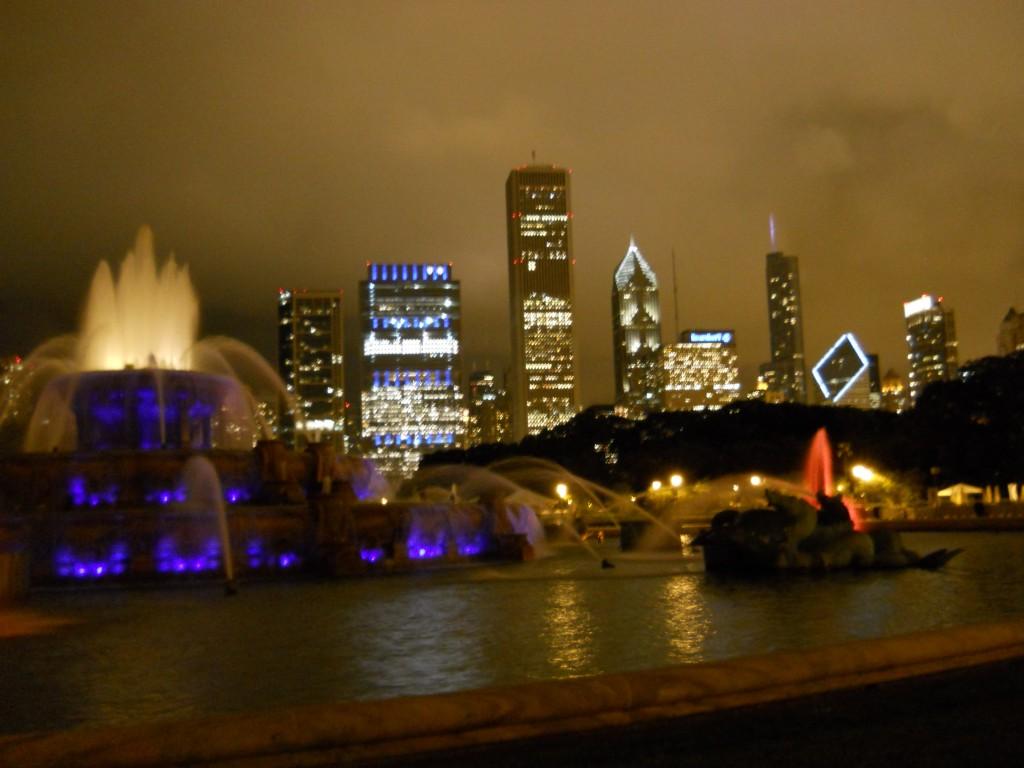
142	410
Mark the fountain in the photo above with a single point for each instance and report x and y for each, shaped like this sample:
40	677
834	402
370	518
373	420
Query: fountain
809	529
145	457
136	378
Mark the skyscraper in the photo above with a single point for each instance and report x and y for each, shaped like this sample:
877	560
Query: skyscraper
931	342
544	382
1011	333
786	373
844	374
411	397
636	335
488	410
701	371
894	394
310	361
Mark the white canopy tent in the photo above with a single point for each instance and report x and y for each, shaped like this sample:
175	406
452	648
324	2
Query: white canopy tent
961	493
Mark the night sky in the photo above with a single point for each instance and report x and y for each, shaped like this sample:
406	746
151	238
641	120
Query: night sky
285	144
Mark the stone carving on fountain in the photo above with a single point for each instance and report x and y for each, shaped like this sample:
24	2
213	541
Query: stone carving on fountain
813	531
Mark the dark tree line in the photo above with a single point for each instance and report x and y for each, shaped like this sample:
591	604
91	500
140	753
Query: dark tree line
970	429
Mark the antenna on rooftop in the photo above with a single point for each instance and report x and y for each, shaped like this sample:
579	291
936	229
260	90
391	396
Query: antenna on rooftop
675	298
771	228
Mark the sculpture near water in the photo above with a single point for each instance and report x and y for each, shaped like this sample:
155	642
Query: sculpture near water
817	530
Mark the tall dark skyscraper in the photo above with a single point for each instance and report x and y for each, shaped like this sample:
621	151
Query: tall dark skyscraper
309	359
786	374
931	343
545	384
410	379
636	335
488	410
1011	333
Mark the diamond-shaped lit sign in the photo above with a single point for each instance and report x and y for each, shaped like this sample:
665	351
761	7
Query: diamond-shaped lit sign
840	367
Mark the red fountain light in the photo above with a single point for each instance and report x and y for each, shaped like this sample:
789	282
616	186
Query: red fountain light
818	468
818	476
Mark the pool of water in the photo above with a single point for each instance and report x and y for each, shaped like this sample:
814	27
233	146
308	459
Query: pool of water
147	654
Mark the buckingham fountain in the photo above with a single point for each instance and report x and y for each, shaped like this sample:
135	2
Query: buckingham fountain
146	458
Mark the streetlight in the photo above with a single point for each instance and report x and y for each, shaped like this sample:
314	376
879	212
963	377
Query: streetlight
656	485
562	491
862	473
756	480
676	480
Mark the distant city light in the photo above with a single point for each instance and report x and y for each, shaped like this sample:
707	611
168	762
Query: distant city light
656	485
756	480
676	480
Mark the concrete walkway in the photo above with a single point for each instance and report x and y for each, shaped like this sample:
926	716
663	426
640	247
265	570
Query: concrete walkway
969	717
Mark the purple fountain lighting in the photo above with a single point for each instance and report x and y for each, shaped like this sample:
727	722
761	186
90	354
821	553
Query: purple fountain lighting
170	559
81	495
254	553
471	546
371	555
165	496
88	566
420	549
236	495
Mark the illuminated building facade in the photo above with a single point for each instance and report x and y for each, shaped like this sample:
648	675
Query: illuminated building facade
636	336
1011	333
489	420
931	343
544	385
701	371
844	374
894	393
787	372
410	379
310	362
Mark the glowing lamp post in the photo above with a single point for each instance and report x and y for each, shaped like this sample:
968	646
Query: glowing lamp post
562	491
862	473
756	480
676	481
656	486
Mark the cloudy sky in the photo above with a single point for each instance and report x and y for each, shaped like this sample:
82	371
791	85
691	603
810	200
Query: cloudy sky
286	143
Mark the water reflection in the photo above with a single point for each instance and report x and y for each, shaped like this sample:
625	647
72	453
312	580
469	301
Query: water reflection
417	639
570	630
687	623
142	655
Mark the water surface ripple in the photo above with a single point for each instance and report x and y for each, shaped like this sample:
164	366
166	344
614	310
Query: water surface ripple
147	654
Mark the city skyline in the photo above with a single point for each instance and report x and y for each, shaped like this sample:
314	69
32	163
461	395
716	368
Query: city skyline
889	175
